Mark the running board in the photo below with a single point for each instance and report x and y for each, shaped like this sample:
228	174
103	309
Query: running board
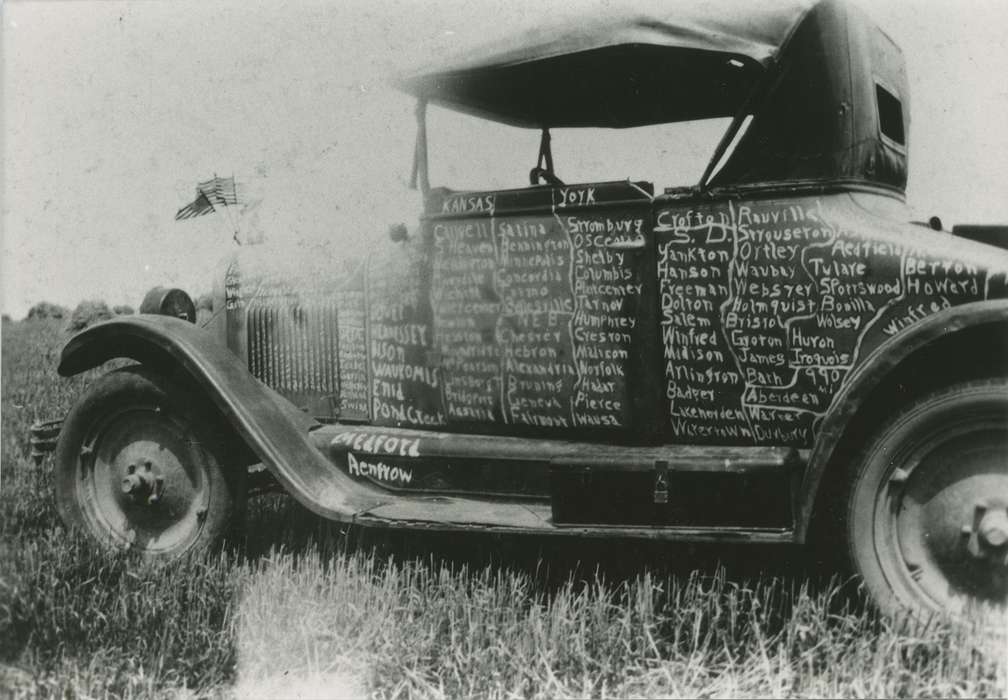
443	514
486	482
561	454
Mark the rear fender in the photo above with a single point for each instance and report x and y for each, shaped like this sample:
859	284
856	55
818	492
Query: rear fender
870	375
271	427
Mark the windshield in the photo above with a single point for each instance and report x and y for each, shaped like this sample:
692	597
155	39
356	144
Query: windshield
469	153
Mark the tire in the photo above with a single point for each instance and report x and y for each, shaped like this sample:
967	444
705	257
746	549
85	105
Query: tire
927	513
140	465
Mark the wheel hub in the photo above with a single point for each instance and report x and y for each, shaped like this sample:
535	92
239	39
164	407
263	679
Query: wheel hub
143	484
988	534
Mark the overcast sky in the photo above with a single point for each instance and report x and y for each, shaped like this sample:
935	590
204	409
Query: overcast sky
113	111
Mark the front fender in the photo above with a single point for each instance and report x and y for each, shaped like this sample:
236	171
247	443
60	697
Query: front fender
270	425
870	374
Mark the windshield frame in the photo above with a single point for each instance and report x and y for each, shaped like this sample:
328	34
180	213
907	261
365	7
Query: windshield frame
420	172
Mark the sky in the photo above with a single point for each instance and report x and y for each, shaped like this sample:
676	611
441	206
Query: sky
112	111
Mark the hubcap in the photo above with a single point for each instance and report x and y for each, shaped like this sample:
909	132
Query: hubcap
988	533
947	514
144	485
143	480
994	528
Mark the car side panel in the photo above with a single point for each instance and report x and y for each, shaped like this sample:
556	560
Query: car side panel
768	306
516	312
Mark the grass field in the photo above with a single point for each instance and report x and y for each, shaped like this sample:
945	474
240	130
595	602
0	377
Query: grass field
299	607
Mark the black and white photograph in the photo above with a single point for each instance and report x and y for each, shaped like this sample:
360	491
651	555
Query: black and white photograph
468	349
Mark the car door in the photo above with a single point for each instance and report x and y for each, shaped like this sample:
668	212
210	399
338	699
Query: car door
536	302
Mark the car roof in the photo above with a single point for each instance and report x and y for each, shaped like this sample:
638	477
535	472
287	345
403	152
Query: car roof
631	65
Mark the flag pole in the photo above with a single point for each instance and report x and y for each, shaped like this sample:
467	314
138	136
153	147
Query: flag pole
234	224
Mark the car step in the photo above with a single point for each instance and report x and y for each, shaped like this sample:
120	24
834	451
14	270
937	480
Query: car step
558	454
579	483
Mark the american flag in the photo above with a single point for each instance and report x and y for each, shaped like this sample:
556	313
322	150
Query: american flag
199	207
220	191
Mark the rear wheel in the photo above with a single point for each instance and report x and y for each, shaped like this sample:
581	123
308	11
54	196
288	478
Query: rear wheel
927	515
140	465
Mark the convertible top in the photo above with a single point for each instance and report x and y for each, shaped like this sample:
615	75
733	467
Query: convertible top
823	88
630	66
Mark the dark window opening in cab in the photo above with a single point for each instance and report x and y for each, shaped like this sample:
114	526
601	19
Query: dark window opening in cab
890	113
469	153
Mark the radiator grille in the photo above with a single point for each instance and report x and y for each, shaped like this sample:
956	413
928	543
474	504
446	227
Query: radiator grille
293	347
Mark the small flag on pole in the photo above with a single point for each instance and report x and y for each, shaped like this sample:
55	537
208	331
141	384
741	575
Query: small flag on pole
199	207
220	191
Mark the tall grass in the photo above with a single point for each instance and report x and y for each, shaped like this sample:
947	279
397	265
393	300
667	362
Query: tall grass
451	631
301	606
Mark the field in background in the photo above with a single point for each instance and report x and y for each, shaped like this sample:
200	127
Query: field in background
298	605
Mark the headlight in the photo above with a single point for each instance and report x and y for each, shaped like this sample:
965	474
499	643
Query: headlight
166	301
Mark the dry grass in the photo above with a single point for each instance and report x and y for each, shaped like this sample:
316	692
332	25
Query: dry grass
299	608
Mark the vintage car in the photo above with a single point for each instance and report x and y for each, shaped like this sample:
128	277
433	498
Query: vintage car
775	354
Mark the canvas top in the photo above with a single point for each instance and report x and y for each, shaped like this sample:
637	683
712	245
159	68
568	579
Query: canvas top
633	65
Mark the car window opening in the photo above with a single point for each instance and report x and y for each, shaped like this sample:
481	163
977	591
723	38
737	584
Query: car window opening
890	113
470	153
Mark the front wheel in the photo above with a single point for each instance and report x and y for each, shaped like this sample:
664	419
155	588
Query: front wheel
139	465
927	515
